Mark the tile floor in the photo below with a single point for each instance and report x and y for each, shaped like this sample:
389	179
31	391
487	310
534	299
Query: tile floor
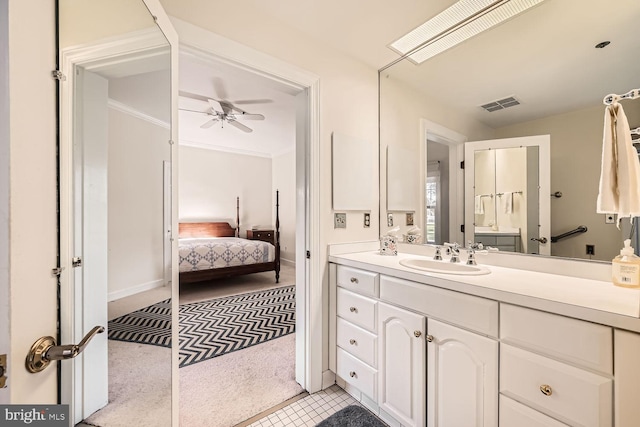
309	410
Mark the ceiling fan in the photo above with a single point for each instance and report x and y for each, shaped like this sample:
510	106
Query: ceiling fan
222	111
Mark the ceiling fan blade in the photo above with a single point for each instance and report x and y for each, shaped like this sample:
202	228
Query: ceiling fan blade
240	126
215	105
253	101
193	96
208	124
193	111
249	116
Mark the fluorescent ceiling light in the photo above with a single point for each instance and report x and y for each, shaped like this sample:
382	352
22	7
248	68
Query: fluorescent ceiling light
460	22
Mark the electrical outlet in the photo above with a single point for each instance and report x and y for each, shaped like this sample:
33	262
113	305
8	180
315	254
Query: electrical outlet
591	249
389	220
609	219
367	220
340	220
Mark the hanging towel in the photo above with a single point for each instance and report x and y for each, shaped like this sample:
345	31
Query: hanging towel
507	203
479	206
619	189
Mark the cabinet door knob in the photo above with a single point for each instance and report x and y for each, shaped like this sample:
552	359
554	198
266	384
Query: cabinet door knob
352	341
417	334
352	374
353	309
546	389
354	280
429	338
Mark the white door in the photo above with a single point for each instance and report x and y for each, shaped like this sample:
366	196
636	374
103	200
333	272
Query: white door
462	386
514	194
401	356
89	247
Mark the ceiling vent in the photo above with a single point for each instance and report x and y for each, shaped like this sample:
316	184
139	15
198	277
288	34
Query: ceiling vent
501	104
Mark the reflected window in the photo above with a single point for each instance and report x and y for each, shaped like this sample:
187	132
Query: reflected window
431	208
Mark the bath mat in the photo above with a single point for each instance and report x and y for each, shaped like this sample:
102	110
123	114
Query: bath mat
214	327
352	416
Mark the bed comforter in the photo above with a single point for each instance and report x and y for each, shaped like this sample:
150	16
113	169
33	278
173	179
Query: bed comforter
219	252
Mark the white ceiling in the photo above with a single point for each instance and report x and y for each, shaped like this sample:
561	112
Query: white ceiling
545	57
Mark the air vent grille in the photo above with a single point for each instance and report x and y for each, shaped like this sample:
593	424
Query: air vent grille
501	104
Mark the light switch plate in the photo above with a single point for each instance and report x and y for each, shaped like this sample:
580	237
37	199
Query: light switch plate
340	220
389	220
367	220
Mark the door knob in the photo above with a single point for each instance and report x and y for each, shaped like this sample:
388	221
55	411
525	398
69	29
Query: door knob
44	350
542	240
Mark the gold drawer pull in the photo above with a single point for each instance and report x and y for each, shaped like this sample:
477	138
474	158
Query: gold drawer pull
352	341
354	280
353	309
352	374
546	389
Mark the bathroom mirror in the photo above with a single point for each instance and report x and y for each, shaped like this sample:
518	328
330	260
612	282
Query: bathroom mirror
116	114
539	73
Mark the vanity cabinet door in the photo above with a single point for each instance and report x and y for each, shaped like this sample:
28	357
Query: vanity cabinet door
401	361
462	372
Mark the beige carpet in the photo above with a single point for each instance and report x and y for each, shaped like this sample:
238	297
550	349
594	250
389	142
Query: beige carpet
229	389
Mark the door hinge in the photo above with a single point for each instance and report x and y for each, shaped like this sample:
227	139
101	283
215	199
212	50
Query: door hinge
308	254
76	262
56	271
462	228
57	74
462	164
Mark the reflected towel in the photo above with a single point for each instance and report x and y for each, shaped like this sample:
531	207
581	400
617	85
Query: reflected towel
619	189
479	206
507	203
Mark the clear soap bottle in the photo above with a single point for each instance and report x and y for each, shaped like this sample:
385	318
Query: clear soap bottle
626	267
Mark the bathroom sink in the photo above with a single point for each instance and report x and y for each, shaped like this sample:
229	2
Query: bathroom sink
444	267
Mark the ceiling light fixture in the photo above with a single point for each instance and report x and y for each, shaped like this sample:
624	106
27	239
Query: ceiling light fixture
459	22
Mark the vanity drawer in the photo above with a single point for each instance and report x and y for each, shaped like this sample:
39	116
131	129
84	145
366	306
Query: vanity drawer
357	373
357	341
571	340
471	312
514	414
356	309
361	281
574	396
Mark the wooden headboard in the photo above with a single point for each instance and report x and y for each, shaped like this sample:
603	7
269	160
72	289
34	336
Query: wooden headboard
205	229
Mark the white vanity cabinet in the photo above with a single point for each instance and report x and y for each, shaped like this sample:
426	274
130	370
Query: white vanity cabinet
401	354
462	377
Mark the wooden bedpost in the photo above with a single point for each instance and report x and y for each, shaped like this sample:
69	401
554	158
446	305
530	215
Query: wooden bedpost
238	216
277	236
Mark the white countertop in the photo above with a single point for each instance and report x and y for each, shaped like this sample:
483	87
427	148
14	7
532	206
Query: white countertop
592	300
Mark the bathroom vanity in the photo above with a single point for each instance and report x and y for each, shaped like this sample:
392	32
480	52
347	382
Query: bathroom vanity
511	348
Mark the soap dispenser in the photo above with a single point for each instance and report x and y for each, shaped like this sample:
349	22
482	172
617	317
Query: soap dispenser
626	267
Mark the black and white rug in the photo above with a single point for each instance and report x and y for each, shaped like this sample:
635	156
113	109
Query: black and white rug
212	328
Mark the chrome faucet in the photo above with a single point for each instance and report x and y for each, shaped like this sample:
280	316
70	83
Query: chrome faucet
438	255
455	251
471	260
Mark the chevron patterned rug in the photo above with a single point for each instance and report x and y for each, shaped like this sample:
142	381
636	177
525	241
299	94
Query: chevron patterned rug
212	328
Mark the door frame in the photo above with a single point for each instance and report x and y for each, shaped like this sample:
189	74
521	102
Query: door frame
207	45
70	299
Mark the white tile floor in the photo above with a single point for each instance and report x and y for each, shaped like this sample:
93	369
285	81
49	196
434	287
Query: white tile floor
309	410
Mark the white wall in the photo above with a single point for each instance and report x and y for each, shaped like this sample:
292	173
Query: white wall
32	192
211	180
284	180
137	149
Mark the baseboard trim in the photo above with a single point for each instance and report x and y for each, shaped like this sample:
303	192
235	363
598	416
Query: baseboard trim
287	262
328	379
122	293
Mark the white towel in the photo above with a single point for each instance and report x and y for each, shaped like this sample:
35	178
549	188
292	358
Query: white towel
619	189
507	203
479	206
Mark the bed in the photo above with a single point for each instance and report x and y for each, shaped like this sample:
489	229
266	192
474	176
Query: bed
214	250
